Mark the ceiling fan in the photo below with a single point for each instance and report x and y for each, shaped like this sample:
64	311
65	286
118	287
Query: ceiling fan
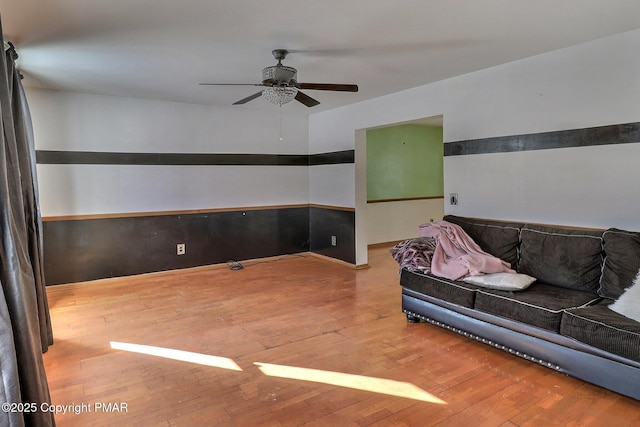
280	85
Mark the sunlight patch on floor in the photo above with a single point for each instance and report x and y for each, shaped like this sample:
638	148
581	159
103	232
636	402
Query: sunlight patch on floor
184	356
358	382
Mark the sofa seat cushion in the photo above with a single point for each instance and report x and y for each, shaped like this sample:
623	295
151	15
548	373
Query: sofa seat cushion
539	305
603	328
622	250
455	292
563	257
500	239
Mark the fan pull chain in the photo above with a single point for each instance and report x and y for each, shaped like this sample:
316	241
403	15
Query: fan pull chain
281	137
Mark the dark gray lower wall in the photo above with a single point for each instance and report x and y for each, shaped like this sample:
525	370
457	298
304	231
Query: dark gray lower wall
88	249
324	223
80	250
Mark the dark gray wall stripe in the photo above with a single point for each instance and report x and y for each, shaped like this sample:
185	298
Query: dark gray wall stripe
190	159
602	135
347	156
186	159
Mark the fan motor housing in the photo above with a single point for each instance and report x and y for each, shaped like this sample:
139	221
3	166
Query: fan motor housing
278	75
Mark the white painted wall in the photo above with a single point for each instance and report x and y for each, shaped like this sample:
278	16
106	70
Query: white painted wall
592	84
338	184
84	122
100	189
391	221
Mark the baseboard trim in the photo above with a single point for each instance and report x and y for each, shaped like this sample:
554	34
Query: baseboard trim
334	260
220	266
384	244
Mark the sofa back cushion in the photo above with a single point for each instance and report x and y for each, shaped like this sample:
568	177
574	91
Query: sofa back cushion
622	262
563	257
500	239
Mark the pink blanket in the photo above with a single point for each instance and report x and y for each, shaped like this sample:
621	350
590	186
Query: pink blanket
456	255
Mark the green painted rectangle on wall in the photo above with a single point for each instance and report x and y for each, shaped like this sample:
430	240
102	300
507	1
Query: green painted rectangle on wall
405	161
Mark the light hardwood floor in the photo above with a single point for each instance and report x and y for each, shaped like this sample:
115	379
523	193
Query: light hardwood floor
290	342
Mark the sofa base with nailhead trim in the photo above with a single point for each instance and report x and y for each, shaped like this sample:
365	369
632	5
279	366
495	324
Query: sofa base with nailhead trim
562	320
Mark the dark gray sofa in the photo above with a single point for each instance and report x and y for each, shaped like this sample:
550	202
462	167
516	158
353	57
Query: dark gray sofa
562	321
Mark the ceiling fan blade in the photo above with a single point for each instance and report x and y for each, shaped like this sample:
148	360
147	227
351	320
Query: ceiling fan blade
306	99
230	84
328	86
248	98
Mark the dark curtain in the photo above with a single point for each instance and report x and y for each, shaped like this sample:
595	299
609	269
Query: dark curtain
25	324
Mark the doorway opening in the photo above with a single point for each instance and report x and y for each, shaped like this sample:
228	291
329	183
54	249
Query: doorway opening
401	181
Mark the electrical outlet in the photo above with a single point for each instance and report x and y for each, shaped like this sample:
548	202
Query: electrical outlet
334	241
453	199
181	248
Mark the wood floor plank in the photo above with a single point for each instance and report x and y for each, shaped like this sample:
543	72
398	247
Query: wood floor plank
335	331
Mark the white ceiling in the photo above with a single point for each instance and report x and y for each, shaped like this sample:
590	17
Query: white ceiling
162	49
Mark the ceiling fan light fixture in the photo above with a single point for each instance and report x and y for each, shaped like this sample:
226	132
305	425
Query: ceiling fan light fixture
279	95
